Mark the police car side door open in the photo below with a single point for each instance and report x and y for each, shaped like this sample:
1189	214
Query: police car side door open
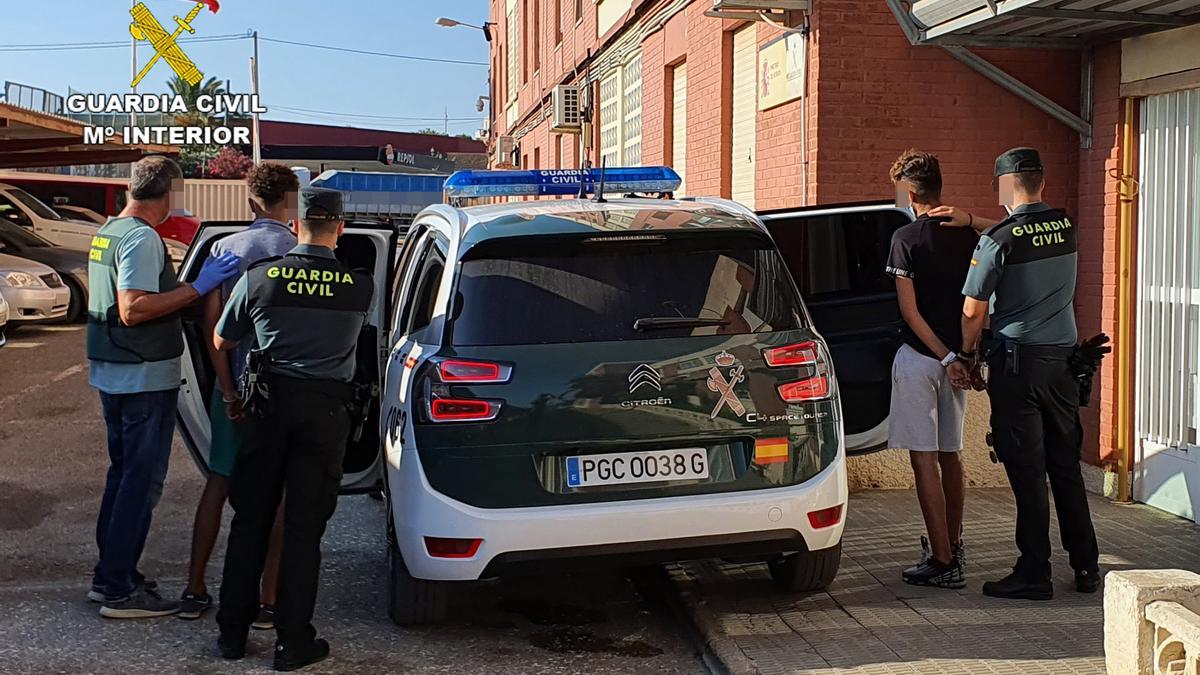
364	246
837	255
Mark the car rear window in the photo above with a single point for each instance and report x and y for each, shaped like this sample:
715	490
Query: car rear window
592	289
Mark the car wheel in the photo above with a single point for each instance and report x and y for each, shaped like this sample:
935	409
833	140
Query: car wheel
807	570
78	306
411	601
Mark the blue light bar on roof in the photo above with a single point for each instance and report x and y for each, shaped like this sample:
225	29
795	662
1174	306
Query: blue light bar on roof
560	182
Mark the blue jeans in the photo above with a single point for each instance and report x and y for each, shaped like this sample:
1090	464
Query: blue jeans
140	428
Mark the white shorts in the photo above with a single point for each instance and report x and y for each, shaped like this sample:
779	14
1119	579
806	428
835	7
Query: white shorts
927	410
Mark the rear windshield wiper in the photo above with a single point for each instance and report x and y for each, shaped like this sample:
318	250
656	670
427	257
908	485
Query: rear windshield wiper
659	322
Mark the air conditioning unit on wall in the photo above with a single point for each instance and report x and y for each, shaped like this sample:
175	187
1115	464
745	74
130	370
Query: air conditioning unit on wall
505	153
567	105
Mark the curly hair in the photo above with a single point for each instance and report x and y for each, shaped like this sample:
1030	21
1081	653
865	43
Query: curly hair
922	173
270	183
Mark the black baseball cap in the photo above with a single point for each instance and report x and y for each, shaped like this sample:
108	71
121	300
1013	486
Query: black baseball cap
1018	160
320	204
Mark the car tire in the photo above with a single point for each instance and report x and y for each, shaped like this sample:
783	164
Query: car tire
412	601
77	306
807	570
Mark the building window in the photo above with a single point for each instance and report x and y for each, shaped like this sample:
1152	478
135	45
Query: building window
514	36
525	51
631	130
621	115
537	158
578	11
557	22
536	43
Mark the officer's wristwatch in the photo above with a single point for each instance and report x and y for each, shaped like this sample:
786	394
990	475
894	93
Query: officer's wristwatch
950	358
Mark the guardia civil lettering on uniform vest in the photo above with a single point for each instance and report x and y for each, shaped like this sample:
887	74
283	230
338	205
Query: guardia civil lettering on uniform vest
108	339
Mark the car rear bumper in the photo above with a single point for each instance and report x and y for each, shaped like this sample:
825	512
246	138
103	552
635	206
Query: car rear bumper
752	522
28	305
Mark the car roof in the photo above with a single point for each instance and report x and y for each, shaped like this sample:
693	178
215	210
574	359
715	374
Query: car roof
584	216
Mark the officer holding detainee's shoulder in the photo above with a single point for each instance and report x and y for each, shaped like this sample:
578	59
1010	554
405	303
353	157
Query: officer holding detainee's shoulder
1025	266
306	310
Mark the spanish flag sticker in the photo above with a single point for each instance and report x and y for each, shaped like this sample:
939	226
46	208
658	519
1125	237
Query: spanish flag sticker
770	450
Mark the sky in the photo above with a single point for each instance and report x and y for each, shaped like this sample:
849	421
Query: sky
393	93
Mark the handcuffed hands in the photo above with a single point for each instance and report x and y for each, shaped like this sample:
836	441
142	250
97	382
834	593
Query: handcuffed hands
215	271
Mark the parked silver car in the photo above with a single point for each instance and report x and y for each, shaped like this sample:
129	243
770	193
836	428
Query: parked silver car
34	292
3	318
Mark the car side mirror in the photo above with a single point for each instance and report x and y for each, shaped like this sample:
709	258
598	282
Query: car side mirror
18	218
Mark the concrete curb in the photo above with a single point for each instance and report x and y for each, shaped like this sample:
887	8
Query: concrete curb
721	652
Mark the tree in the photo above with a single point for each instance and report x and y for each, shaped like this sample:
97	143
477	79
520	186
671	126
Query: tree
430	132
194	159
230	163
190	93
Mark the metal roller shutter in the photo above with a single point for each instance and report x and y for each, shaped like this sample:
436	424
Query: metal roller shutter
745	107
1168	302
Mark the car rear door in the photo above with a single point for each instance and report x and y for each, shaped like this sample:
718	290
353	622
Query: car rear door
837	256
363	247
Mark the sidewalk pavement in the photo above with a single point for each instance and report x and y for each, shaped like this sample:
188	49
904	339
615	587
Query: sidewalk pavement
869	621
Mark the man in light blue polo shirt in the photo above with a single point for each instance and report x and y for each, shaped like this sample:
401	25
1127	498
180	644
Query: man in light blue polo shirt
134	341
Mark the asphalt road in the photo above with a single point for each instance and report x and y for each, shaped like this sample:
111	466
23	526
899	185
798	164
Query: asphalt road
53	459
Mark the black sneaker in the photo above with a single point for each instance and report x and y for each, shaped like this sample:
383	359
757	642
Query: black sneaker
295	658
960	554
192	606
96	594
232	645
1015	587
1087	581
266	618
930	572
142	603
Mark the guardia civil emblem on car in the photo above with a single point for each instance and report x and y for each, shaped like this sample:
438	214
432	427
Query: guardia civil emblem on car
724	387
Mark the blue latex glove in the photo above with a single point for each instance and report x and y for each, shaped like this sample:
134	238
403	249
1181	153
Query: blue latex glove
215	271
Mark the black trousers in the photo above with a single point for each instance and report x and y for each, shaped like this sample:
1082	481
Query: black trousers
298	445
1036	429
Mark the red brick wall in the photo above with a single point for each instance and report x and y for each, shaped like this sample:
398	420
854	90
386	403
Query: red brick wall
877	96
1097	220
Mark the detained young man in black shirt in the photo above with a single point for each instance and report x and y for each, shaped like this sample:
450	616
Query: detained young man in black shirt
930	263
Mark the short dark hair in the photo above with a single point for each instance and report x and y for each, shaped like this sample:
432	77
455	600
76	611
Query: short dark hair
151	177
922	172
1030	181
320	226
271	182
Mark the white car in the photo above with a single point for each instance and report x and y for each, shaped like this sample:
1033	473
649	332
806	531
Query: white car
21	208
34	292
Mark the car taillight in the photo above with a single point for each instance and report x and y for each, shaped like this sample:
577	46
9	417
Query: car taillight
442	547
462	410
825	517
801	354
457	371
805	390
808	354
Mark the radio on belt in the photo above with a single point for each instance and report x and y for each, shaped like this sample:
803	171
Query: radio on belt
546	182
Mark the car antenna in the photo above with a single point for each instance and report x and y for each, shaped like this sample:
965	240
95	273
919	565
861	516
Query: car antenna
599	198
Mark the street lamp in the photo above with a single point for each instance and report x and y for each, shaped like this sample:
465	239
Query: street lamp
451	23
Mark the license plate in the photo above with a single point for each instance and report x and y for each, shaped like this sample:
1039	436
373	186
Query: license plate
637	467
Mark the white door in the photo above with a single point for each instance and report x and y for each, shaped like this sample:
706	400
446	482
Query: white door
1167	414
745	107
679	127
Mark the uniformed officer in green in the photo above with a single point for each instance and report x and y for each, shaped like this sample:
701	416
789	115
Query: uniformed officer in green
306	311
1025	267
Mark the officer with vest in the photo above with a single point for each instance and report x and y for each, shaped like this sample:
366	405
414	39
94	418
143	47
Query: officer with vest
134	341
1025	267
306	311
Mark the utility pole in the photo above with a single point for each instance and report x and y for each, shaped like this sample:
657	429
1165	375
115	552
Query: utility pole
446	113
134	70
257	153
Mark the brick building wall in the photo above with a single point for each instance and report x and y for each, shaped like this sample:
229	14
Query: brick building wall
871	96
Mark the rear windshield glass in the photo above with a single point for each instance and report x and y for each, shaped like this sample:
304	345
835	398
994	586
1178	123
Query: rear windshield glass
545	290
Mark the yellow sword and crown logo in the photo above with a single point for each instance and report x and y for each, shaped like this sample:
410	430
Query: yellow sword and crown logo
145	27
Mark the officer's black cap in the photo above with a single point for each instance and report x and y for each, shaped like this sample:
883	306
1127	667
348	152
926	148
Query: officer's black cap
320	204
1018	160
